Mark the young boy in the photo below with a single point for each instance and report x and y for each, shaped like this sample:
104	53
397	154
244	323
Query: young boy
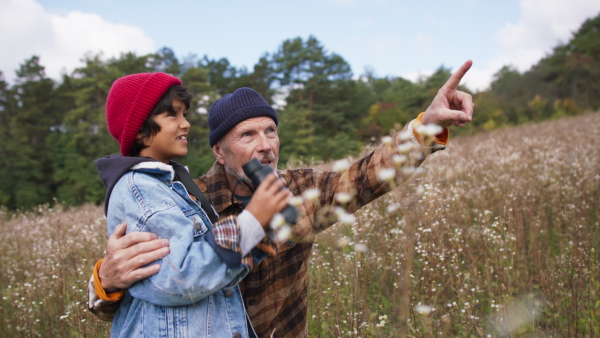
195	293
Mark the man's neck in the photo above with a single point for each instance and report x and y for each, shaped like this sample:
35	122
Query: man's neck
236	187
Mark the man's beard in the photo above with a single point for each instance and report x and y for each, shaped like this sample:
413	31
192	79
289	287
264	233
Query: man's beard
241	176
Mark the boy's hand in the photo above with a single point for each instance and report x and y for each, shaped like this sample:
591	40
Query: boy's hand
127	254
269	199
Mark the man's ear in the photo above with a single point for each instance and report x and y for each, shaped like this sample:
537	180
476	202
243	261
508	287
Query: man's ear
218	152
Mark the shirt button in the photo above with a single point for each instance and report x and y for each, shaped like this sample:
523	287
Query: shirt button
237	335
228	293
251	302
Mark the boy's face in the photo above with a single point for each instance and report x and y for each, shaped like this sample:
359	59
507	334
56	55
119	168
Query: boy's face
171	141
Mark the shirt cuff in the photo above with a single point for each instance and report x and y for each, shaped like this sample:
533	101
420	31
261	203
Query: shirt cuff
100	292
251	232
441	138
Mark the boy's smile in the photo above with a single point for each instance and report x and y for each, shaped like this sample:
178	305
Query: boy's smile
171	141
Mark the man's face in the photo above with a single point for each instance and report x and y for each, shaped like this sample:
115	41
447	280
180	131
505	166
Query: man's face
253	138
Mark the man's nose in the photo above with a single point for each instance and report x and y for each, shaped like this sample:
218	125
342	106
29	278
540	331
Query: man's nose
263	144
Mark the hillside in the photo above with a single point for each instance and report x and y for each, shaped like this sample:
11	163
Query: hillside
498	235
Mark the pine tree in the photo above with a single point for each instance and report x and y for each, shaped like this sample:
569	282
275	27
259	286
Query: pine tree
30	118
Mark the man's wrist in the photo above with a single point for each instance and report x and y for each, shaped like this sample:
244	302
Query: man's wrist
441	138
112	295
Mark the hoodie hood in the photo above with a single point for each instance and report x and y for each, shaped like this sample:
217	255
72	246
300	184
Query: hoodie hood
112	167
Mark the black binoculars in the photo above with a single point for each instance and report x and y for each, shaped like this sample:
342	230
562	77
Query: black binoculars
257	172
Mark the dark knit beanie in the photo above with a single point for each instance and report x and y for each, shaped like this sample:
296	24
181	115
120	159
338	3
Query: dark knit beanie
130	101
234	108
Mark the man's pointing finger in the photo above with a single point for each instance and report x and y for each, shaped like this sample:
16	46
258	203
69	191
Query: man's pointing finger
454	80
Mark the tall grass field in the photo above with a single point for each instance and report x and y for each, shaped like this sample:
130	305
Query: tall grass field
496	236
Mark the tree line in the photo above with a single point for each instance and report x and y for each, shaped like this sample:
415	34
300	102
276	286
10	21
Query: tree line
52	131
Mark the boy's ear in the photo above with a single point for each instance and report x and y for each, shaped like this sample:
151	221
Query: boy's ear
218	152
140	139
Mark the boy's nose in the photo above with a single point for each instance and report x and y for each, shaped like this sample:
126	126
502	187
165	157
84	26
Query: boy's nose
185	124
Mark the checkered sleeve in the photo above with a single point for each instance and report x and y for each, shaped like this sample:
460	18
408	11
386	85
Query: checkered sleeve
226	233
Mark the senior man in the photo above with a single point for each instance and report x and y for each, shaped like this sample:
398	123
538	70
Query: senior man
243	126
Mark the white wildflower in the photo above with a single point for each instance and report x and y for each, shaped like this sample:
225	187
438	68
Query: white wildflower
341	165
431	129
346	218
405	135
283	233
424	309
311	194
399	159
342	242
343	197
406	147
386	174
296	201
392	207
277	221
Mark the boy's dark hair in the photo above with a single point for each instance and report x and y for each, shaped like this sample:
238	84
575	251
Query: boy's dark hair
151	128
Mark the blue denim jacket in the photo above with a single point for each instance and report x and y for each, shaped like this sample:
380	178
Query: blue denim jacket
195	293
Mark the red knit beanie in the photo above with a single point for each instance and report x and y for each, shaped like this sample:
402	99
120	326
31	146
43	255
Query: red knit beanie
130	101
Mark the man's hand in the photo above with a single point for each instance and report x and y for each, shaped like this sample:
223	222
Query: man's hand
268	199
451	106
127	254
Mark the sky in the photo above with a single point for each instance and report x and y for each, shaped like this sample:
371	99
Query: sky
388	37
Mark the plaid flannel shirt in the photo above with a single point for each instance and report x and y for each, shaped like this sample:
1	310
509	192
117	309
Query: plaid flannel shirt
275	291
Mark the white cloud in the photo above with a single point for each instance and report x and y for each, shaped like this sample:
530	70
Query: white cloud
543	25
61	41
478	79
417	76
